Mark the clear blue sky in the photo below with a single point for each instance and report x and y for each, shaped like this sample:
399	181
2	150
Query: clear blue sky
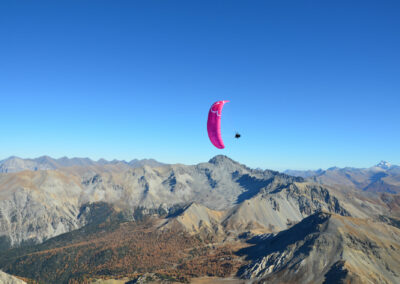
311	83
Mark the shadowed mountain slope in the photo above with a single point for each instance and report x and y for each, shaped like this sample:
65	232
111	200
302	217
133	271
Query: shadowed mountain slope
326	248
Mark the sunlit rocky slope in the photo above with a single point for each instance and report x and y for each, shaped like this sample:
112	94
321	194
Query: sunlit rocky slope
9	279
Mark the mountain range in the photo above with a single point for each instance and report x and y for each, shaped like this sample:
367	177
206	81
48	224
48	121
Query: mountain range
16	164
383	177
83	220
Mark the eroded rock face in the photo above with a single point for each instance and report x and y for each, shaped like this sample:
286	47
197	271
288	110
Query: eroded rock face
25	219
35	206
327	248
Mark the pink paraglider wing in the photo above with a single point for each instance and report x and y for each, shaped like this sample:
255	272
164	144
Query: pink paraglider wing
214	124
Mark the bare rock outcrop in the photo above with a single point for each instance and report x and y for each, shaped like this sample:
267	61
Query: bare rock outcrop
9	279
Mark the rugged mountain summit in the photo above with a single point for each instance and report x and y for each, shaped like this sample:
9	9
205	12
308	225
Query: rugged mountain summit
326	248
384	165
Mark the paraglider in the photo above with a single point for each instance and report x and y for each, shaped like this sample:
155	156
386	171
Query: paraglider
214	124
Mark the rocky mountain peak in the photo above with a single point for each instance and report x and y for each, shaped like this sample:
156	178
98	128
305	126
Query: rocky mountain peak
384	165
221	160
44	158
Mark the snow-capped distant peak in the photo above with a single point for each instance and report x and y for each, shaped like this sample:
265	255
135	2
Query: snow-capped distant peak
384	165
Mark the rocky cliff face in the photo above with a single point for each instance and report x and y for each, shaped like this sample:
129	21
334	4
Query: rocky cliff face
37	205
